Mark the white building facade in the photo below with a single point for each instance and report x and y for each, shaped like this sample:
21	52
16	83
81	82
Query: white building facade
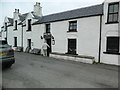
88	32
110	47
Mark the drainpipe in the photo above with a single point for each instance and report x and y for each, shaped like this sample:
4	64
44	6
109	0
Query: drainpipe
119	33
6	31
100	39
22	37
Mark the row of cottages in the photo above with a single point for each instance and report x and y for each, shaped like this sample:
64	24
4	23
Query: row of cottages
85	33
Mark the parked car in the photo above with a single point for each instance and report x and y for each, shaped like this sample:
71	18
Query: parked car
6	54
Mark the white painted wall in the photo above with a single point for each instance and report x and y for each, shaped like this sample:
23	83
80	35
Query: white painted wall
87	36
38	31
3	35
59	32
89	33
10	38
17	33
26	35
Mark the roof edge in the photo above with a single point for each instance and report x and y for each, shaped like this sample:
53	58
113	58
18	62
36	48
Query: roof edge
35	23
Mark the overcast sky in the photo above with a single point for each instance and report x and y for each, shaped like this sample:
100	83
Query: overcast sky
48	6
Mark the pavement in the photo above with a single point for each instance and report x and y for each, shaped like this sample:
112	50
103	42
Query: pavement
35	71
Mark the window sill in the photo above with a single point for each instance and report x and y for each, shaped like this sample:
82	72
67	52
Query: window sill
71	31
14	29
70	54
14	46
112	22
114	53
28	30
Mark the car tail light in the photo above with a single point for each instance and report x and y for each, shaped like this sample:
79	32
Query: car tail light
11	50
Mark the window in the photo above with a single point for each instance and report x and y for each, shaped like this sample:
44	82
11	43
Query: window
72	46
29	25
47	28
15	41
113	44
72	26
15	24
5	26
113	12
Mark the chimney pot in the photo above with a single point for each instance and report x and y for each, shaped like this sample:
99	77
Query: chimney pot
37	4
16	10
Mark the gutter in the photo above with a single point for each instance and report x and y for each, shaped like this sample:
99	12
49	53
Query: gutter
99	57
6	32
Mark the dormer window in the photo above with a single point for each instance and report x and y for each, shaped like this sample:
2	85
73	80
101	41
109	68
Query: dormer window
29	25
15	24
113	12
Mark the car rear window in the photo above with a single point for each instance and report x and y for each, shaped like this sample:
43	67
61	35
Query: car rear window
3	42
4	46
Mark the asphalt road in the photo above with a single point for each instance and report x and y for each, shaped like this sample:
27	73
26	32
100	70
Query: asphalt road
35	71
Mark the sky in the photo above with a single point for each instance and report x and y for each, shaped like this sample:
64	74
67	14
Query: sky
7	7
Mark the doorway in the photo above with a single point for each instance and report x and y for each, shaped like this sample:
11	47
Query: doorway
72	46
48	48
29	43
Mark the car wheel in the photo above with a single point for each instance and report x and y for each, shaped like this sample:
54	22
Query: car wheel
8	65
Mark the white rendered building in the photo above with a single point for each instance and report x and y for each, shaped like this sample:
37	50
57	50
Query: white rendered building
88	32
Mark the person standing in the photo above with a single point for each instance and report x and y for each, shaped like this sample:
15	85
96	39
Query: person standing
44	47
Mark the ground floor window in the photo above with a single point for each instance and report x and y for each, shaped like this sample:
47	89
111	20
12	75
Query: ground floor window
113	44
72	46
29	43
15	41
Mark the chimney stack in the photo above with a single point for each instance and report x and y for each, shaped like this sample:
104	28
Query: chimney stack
37	9
16	13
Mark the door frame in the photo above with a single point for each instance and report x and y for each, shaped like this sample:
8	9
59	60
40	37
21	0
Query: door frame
75	52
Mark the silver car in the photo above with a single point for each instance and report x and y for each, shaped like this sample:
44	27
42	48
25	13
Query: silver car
6	54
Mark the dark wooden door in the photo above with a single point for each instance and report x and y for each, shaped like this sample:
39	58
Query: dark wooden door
49	48
72	46
29	43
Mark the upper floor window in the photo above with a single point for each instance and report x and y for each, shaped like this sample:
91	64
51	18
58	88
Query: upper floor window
47	28
5	26
29	25
113	12
72	26
15	24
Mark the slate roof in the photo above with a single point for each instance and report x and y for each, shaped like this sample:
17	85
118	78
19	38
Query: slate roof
10	21
35	16
22	17
72	14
